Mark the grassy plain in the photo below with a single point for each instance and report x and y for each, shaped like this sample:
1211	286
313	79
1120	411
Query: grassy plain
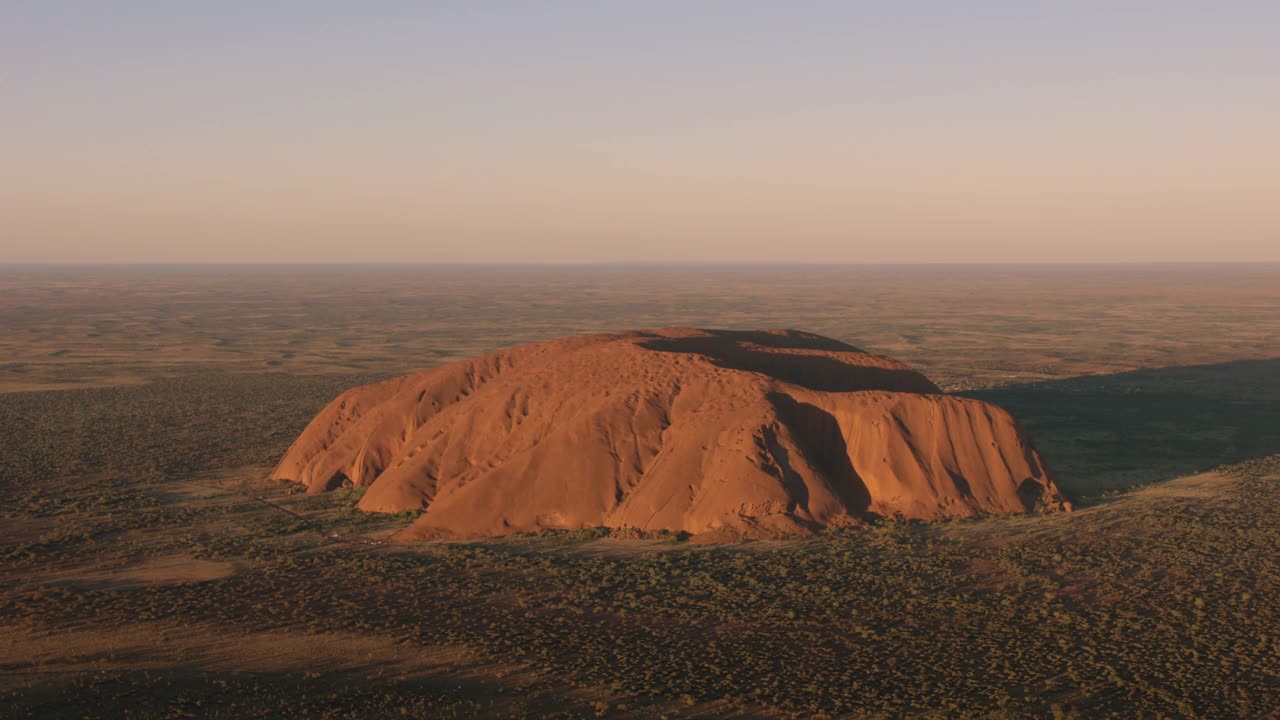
146	570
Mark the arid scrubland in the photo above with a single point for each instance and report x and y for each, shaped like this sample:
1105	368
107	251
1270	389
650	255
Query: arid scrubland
148	570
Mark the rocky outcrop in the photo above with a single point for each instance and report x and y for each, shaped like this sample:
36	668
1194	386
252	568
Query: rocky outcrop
750	433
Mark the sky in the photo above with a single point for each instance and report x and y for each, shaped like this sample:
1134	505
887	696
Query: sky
556	131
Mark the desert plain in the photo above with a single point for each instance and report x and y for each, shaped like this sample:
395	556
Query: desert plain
149	566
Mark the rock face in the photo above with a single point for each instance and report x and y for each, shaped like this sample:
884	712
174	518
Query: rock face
748	433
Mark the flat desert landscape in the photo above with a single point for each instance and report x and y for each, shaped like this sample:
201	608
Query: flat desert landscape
150	567
795	361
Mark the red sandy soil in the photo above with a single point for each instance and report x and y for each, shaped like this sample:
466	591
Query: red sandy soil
753	434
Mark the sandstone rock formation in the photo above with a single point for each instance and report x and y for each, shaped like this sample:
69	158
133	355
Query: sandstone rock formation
748	433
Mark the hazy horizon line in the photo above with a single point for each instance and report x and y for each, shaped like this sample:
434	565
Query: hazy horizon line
614	263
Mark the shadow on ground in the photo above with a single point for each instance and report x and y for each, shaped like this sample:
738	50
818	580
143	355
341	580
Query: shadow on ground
1102	432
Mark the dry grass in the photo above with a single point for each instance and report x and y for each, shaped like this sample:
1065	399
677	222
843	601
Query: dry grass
147	571
1151	602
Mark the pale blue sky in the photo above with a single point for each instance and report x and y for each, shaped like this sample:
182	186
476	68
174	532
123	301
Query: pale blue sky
579	131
